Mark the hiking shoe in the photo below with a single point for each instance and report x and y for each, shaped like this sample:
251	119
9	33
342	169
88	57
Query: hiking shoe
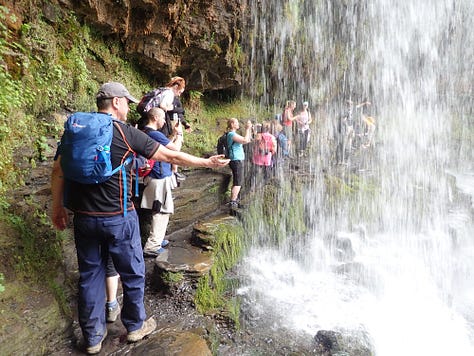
92	350
112	313
165	243
151	253
180	177
147	328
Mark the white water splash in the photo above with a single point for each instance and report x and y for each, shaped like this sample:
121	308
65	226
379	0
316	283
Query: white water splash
410	286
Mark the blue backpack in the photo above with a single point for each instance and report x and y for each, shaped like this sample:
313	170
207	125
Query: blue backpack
85	150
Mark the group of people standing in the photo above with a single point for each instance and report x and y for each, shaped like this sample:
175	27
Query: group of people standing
296	126
269	145
106	228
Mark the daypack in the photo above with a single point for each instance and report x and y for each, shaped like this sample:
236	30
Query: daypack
150	100
148	164
223	146
145	169
265	145
85	150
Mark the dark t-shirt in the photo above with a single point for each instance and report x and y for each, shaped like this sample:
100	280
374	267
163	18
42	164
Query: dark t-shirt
160	169
106	199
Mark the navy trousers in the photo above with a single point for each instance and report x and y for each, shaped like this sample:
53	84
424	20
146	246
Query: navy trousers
96	238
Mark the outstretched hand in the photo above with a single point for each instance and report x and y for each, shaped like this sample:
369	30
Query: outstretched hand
218	161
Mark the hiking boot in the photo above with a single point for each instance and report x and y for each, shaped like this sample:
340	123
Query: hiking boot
147	328
153	253
112	313
165	243
92	350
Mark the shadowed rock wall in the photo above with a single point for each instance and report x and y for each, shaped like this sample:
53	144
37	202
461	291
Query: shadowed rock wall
197	39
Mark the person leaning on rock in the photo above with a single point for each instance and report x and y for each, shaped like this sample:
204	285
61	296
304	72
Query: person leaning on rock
100	225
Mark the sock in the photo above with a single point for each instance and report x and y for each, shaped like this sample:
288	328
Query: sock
111	304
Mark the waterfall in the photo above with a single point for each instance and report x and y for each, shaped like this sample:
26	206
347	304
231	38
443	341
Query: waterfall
391	256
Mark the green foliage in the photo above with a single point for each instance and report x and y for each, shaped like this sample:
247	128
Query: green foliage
228	247
42	148
172	277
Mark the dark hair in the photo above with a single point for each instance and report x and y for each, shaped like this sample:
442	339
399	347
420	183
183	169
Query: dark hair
103	103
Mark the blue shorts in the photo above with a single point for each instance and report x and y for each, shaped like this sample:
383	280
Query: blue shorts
96	239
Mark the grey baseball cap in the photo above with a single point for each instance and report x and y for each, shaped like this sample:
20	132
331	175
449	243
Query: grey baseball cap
114	89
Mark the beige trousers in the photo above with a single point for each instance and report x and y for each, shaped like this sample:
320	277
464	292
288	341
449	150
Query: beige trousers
159	224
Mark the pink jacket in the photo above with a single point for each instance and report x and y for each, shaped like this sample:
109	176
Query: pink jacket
263	150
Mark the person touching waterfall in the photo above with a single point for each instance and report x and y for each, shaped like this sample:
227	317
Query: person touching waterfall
235	143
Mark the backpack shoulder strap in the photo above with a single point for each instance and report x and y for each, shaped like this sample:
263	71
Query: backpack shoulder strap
125	161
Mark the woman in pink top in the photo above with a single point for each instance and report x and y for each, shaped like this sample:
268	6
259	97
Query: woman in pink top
264	147
287	119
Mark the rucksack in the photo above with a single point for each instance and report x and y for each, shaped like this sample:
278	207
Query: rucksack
85	150
223	146
150	100
265	145
148	164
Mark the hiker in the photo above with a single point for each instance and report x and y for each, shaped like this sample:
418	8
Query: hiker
179	110
368	132
282	143
345	134
105	222
303	120
264	147
235	144
171	104
159	182
287	119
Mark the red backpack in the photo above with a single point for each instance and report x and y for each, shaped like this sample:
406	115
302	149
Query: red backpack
146	164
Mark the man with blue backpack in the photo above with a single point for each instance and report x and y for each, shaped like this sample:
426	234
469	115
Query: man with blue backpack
91	176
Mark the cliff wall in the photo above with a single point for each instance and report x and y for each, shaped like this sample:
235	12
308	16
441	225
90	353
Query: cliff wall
197	39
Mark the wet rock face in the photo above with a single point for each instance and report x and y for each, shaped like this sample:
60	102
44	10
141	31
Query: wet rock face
196	39
329	342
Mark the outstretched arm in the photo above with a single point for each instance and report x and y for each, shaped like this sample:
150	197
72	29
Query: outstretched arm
248	134
184	159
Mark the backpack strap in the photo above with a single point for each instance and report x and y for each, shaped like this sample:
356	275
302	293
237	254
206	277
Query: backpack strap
126	160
